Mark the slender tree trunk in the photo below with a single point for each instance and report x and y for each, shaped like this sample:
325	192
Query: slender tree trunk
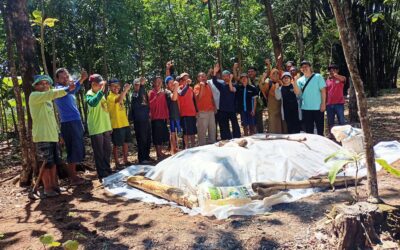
238	34
53	49
25	43
42	49
276	41
353	108
299	31
212	30
348	38
219	52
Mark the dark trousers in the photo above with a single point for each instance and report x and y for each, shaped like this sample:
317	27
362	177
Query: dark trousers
259	121
101	144
292	119
143	139
311	117
223	120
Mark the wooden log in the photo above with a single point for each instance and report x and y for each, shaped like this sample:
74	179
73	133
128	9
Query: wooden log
359	226
161	190
268	188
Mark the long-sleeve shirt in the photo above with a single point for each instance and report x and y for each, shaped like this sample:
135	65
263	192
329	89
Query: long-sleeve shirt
98	116
44	125
66	106
140	110
227	97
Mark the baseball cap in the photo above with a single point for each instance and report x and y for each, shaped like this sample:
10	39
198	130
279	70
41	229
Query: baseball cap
136	81
305	62
333	66
39	78
95	78
286	74
184	74
226	72
167	79
243	75
113	80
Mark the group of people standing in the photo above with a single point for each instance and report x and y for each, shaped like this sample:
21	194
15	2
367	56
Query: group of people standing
173	106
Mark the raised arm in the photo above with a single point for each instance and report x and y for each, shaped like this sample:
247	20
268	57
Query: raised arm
42	97
121	97
236	72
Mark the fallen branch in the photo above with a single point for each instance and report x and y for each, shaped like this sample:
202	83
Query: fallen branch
284	137
265	189
164	191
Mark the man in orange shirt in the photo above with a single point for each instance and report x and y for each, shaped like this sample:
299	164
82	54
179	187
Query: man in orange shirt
206	108
187	109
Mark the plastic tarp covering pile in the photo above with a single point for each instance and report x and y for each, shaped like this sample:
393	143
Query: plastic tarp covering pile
232	165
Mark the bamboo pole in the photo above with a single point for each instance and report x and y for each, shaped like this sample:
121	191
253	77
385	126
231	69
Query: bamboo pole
161	190
268	188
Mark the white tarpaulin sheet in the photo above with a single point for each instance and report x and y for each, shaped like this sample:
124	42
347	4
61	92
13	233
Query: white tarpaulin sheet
233	165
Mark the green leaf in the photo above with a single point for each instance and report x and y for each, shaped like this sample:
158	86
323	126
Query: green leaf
387	167
337	166
37	14
340	154
55	244
8	81
70	245
50	22
46	239
12	103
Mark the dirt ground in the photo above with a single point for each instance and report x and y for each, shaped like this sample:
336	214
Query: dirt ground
99	220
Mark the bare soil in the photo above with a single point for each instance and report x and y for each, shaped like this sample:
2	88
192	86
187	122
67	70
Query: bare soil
99	220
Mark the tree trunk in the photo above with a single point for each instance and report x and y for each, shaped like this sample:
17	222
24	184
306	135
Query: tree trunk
216	36
276	41
25	43
54	56
299	31
347	37
359	226
353	109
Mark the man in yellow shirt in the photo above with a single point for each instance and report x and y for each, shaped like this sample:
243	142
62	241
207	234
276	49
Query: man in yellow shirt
121	134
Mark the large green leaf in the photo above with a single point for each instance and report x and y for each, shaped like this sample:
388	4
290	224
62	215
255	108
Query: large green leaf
387	167
50	22
37	14
337	166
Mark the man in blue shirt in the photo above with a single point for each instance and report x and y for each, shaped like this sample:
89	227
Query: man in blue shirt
71	123
312	89
226	112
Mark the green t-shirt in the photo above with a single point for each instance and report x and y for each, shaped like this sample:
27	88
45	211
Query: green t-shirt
44	125
311	98
98	118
